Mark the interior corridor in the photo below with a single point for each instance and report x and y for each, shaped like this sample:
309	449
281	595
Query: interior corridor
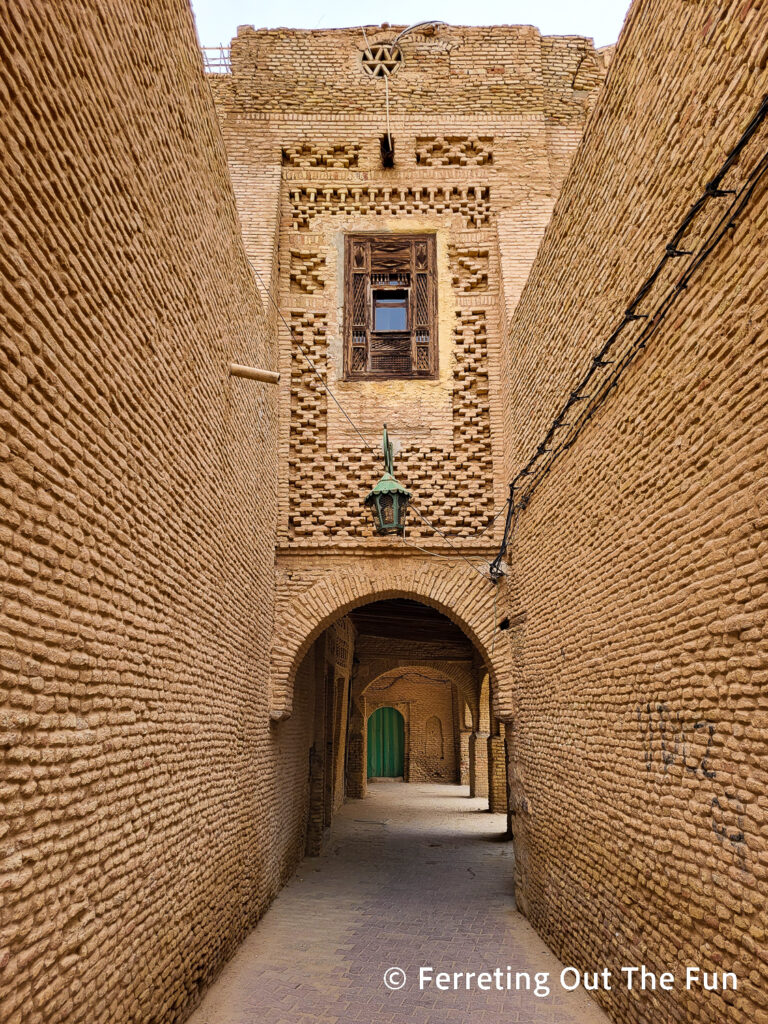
413	875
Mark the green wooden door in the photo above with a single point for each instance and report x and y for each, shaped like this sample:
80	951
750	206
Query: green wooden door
386	742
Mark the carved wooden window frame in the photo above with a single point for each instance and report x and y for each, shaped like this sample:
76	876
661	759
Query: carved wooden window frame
381	262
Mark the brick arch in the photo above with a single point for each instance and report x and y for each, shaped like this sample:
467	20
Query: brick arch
460	677
463	596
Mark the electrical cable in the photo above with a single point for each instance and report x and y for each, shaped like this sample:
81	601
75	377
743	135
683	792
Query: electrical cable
726	222
436	554
465	539
312	366
448	541
412	28
386	94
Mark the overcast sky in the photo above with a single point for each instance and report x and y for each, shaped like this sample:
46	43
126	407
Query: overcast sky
217	20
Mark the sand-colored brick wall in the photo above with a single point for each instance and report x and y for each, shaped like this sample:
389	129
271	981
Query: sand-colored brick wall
484	122
311	595
638	592
149	812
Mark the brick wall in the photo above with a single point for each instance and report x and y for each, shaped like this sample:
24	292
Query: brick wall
148	811
639	569
427	708
485	121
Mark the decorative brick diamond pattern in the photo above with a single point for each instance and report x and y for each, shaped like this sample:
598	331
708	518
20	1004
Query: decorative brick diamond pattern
469	267
306	271
454	151
471	420
308	424
472	202
459	502
340	156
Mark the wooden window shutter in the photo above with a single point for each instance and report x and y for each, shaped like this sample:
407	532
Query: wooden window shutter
356	308
422	306
390	306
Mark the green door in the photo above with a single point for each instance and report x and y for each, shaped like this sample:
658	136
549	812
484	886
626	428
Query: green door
386	741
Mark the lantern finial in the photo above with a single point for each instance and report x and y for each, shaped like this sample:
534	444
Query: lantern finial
389	457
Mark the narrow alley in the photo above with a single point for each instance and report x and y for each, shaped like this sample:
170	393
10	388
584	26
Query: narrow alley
415	875
383	419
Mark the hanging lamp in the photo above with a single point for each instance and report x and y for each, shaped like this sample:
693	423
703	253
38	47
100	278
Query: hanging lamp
388	501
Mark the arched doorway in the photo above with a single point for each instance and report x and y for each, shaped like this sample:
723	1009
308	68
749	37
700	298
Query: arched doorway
465	599
386	744
423	667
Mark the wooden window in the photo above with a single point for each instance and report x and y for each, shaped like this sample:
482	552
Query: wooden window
390	306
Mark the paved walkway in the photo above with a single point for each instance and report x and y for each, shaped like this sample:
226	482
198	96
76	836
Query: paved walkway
414	875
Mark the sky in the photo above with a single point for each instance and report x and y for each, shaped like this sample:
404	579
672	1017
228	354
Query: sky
217	20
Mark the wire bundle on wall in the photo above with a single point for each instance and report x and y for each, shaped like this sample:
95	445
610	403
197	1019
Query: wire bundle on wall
573	415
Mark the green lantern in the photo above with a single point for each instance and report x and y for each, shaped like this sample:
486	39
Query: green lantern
388	501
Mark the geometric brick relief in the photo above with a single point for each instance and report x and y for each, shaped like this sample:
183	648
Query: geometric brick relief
340	156
471	201
452	494
471	413
454	150
327	488
469	267
307	450
305	271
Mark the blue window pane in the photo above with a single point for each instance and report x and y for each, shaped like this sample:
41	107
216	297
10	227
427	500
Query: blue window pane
390	312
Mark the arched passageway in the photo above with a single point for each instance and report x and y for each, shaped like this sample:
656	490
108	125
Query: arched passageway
304	614
394	688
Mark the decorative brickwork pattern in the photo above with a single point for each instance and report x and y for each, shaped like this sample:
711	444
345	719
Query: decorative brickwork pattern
471	419
472	202
308	423
460	502
341	155
454	151
142	833
510	70
469	267
493	167
151	811
306	271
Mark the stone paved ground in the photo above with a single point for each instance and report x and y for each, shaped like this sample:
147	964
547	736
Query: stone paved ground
414	875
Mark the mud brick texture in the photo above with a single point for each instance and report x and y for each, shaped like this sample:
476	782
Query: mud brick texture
638	594
140	834
184	694
484	123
